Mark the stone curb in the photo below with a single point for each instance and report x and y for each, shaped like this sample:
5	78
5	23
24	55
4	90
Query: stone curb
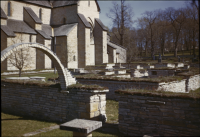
40	131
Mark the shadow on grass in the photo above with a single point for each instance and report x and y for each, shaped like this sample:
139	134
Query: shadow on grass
25	117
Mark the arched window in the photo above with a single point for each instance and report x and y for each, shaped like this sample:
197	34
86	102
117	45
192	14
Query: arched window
64	20
40	13
9	8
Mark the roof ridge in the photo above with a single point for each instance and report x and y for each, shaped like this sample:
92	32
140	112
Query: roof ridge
117	44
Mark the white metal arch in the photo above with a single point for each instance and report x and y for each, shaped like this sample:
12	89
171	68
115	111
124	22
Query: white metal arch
60	68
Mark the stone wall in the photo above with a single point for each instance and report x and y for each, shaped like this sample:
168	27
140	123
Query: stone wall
138	73
89	10
48	103
48	61
174	86
156	73
161	65
3	22
100	40
67	12
3	46
193	82
72	49
158	116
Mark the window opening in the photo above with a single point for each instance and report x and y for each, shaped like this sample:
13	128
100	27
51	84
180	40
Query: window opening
30	38
64	20
88	3
40	13
9	8
74	58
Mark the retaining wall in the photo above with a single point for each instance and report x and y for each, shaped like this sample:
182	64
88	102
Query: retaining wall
156	73
162	116
174	86
48	103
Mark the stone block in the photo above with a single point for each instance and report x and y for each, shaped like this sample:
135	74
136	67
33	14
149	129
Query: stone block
94	106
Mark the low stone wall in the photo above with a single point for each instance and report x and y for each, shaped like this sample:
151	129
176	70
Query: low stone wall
138	73
158	116
193	82
48	103
155	72
178	65
120	71
163	65
175	86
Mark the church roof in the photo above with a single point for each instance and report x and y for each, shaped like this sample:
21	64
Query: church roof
114	45
33	15
67	3
43	34
84	20
7	31
44	3
64	30
64	3
101	24
47	29
20	26
111	45
3	15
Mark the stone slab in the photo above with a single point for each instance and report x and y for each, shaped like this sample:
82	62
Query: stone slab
38	78
18	78
81	125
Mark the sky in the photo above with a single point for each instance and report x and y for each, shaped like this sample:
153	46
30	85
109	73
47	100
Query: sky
138	7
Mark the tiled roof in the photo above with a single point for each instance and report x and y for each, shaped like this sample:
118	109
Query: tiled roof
47	29
33	15
44	3
20	26
8	31
64	30
101	24
64	3
43	34
3	15
84	20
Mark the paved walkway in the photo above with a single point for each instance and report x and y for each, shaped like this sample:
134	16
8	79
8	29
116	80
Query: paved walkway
41	130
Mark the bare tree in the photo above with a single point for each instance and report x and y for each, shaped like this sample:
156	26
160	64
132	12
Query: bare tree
121	16
177	20
21	58
150	17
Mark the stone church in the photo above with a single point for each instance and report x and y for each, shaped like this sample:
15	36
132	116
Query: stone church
72	29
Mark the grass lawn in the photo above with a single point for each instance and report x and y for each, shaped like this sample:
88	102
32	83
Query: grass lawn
112	108
17	126
12	125
63	133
